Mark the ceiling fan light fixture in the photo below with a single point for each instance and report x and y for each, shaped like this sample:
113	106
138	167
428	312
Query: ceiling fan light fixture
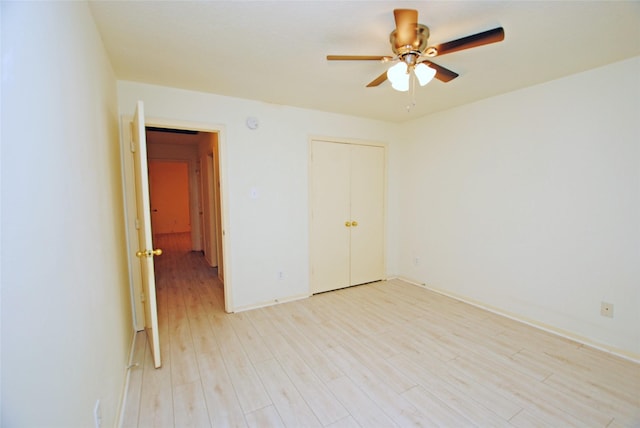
402	86
424	73
409	43
398	75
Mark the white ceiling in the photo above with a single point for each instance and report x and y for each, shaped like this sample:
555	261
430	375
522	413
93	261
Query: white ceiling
275	51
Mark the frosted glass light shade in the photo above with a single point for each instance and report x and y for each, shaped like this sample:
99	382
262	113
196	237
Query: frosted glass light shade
424	73
399	77
402	85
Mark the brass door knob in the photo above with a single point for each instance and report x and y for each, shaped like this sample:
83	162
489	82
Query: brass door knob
354	223
347	223
149	253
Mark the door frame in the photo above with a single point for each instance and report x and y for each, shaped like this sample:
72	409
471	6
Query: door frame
128	188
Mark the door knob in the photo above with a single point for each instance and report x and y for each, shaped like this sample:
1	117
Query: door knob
347	223
354	223
149	253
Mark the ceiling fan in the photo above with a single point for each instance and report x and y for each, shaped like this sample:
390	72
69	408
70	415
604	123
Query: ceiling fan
409	43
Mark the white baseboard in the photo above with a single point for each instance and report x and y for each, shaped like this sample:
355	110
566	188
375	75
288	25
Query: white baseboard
124	394
271	302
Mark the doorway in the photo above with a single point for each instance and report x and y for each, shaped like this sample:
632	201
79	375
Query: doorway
180	203
199	148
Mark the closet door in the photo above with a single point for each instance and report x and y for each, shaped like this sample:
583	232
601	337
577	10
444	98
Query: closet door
367	214
330	193
347	215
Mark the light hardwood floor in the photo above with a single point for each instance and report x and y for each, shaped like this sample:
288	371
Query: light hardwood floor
380	355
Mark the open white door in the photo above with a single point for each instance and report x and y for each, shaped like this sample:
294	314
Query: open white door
145	237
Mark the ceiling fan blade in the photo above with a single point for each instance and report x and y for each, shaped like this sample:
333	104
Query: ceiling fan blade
475	40
357	58
442	74
406	22
378	80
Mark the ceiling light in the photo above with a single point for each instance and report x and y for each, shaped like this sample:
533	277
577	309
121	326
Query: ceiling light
398	75
424	73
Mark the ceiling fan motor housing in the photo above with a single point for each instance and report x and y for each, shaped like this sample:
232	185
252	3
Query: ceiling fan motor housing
417	47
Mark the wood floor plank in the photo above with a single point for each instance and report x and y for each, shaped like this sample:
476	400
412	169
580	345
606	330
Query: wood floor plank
365	411
347	422
265	417
611	404
434	376
190	409
436	410
279	345
220	395
369	371
291	406
531	394
222	402
316	358
412	341
585	362
383	354
247	384
254	345
156	399
323	404
526	419
184	367
262	322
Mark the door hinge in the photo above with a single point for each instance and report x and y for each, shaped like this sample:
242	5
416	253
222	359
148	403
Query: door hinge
137	224
142	296
133	146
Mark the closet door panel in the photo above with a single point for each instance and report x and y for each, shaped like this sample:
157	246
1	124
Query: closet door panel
329	238
367	210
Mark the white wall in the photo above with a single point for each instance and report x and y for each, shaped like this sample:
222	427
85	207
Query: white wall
66	317
270	233
529	202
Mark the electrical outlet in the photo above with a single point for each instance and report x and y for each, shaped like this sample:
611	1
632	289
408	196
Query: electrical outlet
97	414
606	309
